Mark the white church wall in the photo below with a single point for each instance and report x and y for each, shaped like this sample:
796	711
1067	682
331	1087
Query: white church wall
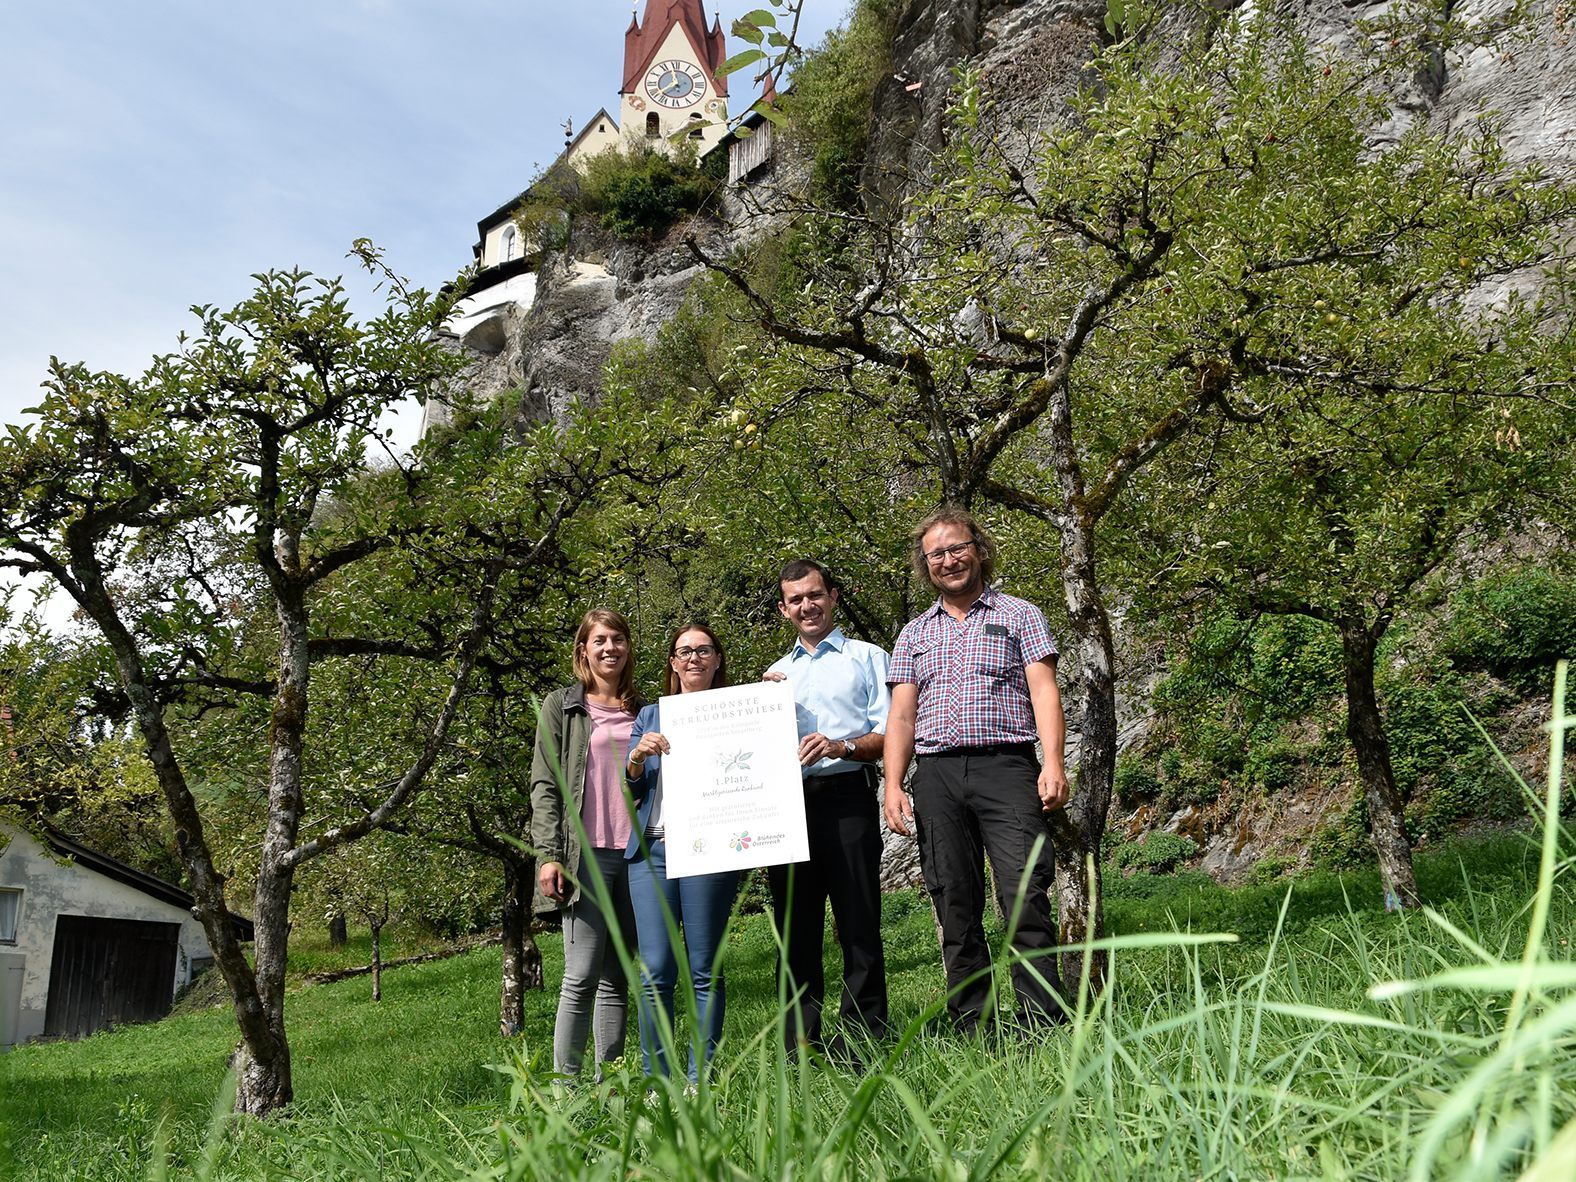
493	244
602	136
473	309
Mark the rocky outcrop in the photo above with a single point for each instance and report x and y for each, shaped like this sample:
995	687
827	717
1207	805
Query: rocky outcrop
1030	55
591	294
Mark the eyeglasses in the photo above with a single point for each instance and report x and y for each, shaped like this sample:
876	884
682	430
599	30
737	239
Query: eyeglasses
703	651
938	556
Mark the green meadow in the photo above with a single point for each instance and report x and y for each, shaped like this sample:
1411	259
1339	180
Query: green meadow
1246	1034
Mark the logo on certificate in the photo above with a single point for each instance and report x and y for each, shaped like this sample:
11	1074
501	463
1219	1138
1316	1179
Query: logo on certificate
700	845
737	761
740	842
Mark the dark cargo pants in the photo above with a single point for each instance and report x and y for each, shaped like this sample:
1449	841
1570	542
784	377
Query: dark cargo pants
970	803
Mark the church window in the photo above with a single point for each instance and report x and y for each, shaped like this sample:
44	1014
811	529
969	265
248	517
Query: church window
695	126
653	126
508	244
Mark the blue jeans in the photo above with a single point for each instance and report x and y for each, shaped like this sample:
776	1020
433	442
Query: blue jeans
700	906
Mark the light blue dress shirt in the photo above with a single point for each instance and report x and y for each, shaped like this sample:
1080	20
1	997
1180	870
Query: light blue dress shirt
839	690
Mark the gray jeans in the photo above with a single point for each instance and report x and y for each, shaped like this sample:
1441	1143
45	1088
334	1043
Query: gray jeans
594	977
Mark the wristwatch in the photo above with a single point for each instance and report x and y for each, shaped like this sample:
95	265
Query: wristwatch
848	748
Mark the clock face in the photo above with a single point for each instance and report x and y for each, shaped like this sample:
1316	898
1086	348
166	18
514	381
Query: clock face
675	83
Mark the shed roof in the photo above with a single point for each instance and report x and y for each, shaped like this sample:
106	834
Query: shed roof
148	884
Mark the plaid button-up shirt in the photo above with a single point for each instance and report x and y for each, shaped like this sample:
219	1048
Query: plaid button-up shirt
970	672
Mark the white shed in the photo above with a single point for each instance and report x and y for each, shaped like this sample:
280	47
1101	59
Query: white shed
87	942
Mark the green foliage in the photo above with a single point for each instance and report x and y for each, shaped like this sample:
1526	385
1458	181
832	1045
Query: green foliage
1267	870
542	216
755	893
679	365
70	767
830	105
1136	779
1471	788
640	192
1234	709
1514	624
1422	701
1258	708
635	192
1345	844
1156	852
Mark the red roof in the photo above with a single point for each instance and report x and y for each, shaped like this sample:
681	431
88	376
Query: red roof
643	41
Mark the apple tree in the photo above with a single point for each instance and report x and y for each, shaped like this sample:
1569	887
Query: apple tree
203	516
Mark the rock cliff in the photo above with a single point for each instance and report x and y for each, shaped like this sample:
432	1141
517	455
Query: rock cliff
1030	54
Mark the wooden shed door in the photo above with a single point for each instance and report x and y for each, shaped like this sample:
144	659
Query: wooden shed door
106	972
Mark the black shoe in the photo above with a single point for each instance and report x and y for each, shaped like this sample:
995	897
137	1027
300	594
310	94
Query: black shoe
1033	1026
974	1027
839	1052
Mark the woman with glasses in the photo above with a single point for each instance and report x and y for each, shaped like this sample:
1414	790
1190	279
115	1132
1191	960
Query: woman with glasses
698	906
581	736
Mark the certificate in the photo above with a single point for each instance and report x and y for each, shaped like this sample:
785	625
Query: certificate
732	794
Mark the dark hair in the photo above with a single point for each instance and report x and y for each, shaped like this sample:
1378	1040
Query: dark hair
719	679
607	617
803	568
984	545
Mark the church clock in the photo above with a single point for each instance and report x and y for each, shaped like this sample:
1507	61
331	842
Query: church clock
675	83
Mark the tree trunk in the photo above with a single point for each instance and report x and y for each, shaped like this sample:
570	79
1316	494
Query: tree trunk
267	1062
1079	827
377	962
522	959
1365	729
262	1062
276	870
338	933
263	1086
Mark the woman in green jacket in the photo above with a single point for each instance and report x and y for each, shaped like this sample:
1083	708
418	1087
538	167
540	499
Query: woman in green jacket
577	765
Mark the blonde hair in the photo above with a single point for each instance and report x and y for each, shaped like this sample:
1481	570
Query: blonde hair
608	618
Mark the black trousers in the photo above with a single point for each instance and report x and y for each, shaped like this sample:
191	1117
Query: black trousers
970	803
845	870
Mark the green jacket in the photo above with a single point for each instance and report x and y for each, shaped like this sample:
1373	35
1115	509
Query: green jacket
563	742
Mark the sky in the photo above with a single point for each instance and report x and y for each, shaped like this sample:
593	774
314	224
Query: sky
154	155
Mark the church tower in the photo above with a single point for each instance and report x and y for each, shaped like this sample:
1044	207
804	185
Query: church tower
671	86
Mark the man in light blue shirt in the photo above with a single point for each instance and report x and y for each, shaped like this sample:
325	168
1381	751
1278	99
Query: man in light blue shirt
841	700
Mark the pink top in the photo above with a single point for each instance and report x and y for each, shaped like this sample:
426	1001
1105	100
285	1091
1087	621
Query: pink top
604	811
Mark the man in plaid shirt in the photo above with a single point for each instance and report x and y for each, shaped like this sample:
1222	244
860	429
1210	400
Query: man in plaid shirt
973	686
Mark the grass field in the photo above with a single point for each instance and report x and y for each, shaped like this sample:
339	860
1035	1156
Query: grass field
1262	1058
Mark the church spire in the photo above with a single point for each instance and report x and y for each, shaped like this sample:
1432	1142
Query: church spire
645	36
